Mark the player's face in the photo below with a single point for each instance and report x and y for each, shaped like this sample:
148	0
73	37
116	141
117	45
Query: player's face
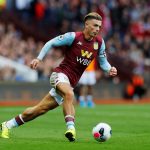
93	27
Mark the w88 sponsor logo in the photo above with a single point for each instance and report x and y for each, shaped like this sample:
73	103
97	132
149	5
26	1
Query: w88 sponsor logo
83	61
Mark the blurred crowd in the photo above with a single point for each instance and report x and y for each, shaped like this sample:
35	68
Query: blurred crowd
14	47
126	30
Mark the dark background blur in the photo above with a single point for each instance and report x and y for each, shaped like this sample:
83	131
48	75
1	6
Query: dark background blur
25	25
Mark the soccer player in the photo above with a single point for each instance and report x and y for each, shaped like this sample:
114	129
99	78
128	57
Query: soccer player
80	49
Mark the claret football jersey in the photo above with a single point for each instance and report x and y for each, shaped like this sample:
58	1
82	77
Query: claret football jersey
78	54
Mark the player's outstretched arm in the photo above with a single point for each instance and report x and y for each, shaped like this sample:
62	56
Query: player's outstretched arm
104	64
34	63
61	40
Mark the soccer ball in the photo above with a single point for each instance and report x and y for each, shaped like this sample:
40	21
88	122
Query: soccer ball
102	132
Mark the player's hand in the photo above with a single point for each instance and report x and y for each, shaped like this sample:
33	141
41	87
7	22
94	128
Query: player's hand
113	71
34	63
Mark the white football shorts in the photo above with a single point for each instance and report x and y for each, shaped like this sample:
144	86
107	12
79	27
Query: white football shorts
56	78
88	78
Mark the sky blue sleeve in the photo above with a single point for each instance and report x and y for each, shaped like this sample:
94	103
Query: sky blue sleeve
104	64
62	40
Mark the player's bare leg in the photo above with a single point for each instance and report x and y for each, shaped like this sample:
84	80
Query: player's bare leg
47	103
66	91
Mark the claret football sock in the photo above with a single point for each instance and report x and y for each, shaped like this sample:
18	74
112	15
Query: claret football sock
69	121
15	122
70	134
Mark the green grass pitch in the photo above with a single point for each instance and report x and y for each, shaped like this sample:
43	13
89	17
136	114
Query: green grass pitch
130	129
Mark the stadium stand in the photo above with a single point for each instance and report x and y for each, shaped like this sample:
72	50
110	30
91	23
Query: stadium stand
126	30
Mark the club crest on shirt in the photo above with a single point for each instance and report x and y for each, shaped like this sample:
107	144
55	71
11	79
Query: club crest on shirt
95	45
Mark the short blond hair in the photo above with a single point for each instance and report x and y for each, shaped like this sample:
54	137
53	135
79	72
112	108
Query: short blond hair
92	15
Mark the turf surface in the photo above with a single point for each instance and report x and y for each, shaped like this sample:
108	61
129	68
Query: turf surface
130	127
